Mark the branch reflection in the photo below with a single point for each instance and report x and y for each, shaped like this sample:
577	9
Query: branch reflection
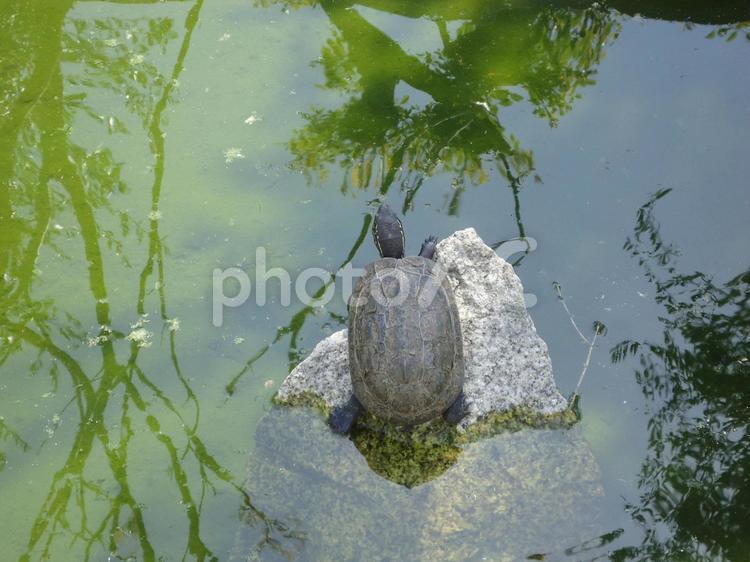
695	487
409	116
48	174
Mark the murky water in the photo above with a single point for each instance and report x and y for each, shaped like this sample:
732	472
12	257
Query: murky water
143	145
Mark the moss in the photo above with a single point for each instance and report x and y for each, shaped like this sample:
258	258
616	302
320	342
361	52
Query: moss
305	399
517	419
407	456
413	456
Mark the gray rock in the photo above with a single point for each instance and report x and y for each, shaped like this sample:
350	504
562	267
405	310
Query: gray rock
325	373
507	363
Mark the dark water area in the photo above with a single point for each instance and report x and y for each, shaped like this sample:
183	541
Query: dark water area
144	145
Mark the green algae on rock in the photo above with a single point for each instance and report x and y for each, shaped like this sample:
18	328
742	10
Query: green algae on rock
406	456
307	399
416	455
514	419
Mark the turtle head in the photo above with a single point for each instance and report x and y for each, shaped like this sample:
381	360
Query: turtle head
388	233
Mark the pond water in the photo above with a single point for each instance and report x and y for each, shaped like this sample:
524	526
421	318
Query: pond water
144	144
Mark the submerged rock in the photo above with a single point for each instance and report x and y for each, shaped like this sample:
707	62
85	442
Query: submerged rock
507	365
312	496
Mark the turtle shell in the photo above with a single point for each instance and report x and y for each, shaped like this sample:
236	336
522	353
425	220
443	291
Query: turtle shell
405	349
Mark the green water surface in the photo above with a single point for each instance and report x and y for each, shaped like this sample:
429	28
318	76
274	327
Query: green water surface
143	144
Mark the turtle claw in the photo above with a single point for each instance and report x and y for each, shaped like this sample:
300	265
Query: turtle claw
458	410
342	418
428	247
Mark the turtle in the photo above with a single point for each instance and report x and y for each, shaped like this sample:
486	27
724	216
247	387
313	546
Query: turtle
406	358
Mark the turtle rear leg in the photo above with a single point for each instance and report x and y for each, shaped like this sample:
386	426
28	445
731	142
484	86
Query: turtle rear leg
458	410
343	417
428	248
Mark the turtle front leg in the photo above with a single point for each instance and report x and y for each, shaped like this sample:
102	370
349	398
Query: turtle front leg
458	410
343	417
428	248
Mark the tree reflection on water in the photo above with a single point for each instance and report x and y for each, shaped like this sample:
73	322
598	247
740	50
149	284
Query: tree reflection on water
496	57
47	175
695	481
